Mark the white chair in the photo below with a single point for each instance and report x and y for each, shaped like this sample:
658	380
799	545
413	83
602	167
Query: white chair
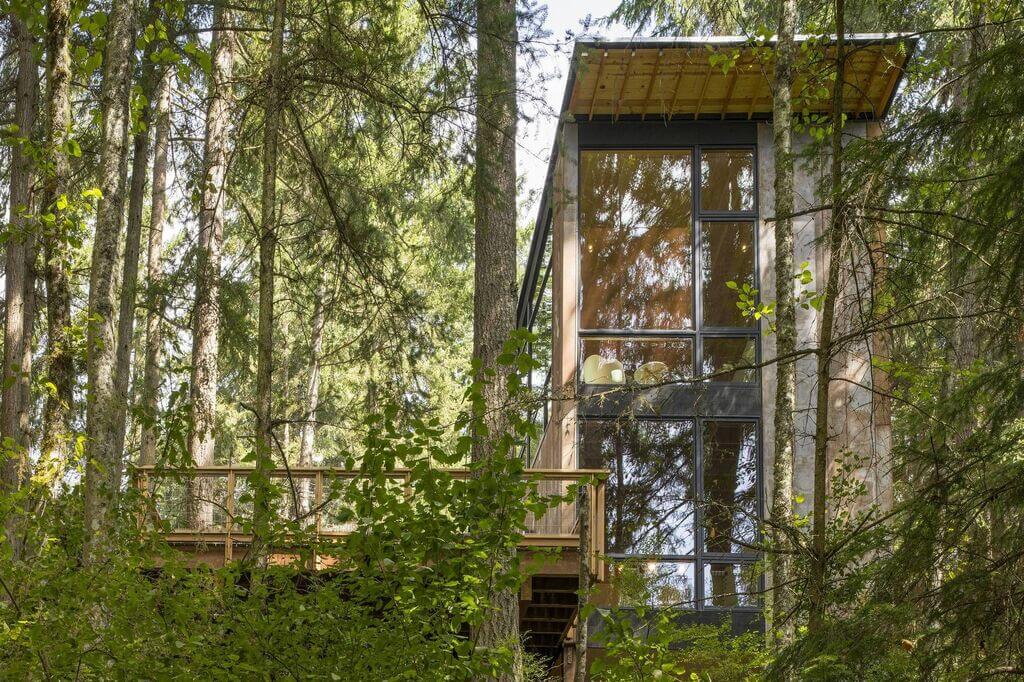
651	373
600	370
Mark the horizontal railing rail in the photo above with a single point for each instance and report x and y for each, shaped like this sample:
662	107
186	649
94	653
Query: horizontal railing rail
207	506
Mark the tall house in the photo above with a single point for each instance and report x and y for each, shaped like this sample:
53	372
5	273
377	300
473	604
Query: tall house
656	214
655	217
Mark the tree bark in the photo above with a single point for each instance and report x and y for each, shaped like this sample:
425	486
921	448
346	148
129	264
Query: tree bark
18	282
818	577
284	392
103	458
307	434
268	244
206	317
133	237
55	445
785	321
154	272
585	584
316	344
494	200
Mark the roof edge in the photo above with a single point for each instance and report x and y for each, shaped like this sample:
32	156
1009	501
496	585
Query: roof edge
539	236
734	41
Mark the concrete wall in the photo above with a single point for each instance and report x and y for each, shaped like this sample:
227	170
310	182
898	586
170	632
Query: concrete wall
859	429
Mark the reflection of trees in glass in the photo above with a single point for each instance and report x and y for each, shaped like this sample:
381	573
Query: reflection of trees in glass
642	582
671	583
541	349
636	239
727	180
730	484
724	354
730	501
727	255
649	494
731	585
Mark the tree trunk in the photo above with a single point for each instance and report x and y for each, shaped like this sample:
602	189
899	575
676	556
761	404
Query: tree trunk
494	201
307	434
104	459
18	281
284	392
818	578
268	245
133	238
154	272
206	317
55	445
316	344
585	585
785	389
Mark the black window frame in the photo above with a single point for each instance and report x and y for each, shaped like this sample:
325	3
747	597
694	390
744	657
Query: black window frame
697	218
540	287
690	407
700	559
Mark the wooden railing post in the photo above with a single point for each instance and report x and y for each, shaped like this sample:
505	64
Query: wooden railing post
142	483
229	522
318	500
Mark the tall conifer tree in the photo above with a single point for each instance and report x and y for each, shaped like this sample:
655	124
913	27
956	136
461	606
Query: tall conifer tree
494	201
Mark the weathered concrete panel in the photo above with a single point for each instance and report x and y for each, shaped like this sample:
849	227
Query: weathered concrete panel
858	422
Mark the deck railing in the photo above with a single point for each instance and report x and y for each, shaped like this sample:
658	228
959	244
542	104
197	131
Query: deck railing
206	506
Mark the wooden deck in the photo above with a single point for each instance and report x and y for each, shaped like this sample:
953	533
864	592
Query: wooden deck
548	601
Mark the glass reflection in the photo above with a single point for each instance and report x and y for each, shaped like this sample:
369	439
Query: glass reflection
722	357
649	492
642	582
730	485
731	585
727	255
636	234
643	362
727	180
542	322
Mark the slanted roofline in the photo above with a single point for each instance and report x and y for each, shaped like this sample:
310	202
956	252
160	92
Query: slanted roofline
732	41
673	77
661	79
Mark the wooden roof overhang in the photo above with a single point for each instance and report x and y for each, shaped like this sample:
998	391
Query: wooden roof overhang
728	78
674	79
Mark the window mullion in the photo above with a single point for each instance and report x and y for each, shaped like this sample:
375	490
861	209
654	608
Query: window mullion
698	512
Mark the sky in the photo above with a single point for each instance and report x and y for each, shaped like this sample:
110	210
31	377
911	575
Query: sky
536	134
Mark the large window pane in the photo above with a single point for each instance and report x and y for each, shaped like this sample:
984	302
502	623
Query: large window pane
724	359
731	585
730	485
727	255
635	229
649	492
642	582
639	361
727	180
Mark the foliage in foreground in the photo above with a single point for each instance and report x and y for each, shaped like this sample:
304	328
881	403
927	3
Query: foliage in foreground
649	638
399	600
